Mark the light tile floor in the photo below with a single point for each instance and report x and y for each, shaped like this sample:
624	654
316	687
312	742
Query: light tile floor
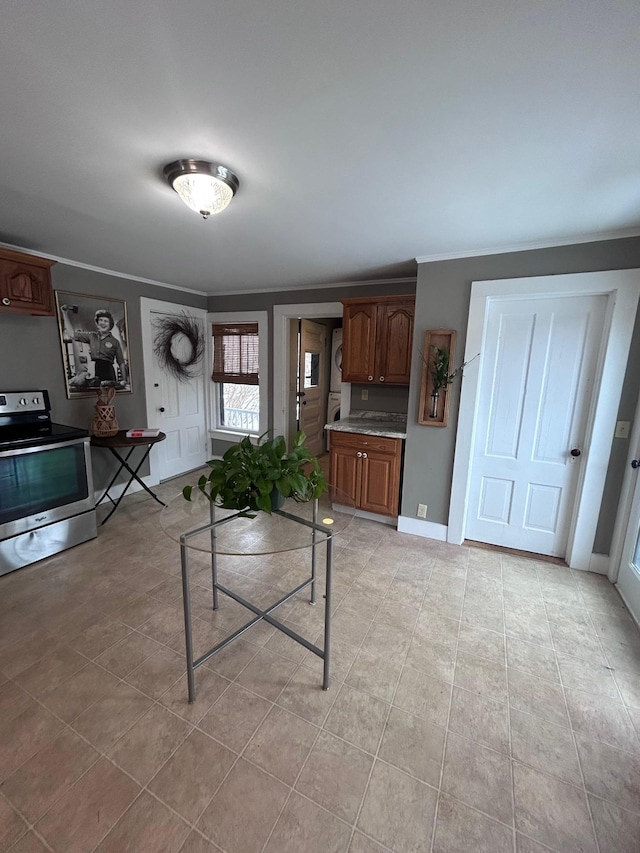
479	702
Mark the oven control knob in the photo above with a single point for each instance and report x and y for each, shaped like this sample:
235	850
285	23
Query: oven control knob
36	401
23	401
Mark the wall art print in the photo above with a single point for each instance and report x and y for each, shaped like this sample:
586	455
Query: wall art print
95	343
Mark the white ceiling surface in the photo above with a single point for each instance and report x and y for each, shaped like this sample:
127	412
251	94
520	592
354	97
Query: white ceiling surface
364	133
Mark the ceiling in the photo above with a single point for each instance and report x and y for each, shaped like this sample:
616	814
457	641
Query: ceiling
364	133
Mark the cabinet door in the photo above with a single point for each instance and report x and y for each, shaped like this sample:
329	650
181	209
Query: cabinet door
359	342
25	289
395	337
380	482
345	475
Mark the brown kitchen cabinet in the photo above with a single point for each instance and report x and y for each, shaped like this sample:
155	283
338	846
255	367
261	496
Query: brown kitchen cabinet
367	469
25	284
378	334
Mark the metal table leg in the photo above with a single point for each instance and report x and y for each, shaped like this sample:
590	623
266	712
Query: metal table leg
327	615
188	636
260	613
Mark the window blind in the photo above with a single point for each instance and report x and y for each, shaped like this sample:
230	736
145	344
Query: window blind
235	353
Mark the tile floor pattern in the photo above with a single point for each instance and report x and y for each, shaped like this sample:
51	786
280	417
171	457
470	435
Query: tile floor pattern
479	702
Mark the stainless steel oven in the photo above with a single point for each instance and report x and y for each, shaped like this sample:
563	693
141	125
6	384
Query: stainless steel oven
46	487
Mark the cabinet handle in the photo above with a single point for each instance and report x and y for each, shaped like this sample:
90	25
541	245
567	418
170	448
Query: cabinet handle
370	378
364	455
358	454
6	301
382	379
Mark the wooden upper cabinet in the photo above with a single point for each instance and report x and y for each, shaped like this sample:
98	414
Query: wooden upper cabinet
377	339
25	284
359	322
396	336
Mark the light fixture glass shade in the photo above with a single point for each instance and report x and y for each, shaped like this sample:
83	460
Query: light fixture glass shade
203	193
205	187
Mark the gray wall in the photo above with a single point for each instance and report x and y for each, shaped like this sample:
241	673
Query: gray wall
32	358
381	398
442	301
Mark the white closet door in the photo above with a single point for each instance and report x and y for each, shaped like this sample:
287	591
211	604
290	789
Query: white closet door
539	363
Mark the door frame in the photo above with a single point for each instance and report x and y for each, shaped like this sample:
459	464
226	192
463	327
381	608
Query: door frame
622	288
282	315
625	505
147	308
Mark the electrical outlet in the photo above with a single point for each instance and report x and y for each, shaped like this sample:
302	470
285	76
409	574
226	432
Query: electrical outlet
422	510
623	428
364	394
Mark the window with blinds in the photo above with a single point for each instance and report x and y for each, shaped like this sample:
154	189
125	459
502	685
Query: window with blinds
236	370
235	353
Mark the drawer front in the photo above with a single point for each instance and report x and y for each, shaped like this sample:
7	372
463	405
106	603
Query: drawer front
359	441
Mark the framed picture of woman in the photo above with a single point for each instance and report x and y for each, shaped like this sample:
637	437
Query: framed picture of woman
95	343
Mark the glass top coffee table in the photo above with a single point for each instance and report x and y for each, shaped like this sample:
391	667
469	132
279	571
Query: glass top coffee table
199	526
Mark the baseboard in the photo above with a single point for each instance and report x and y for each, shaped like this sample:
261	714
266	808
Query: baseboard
116	490
370	516
427	529
626	604
599	563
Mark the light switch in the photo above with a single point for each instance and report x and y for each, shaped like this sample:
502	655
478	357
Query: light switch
364	394
623	428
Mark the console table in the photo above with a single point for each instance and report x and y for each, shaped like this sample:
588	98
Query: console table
199	526
120	442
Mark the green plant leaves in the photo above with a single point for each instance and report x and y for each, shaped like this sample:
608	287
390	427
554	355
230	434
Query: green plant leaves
249	471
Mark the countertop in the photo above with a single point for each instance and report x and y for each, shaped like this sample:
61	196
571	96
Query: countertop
387	424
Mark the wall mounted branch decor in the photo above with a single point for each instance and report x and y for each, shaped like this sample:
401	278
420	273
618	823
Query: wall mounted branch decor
437	356
178	345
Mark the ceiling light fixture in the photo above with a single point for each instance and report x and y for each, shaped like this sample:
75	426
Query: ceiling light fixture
205	187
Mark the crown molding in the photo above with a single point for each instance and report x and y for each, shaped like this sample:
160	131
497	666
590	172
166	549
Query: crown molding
103	270
527	247
410	281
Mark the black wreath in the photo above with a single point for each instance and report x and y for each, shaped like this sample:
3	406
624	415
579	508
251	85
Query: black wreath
166	330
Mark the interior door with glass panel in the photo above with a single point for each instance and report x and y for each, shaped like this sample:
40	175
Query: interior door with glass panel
629	574
312	383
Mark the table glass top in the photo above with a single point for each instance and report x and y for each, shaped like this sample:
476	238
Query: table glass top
263	534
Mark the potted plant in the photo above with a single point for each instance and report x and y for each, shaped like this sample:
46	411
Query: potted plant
259	476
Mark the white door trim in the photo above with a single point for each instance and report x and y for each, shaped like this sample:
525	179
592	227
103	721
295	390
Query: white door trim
622	288
626	501
262	319
282	314
147	307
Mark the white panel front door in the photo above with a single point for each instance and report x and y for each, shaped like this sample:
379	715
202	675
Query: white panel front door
179	408
539	363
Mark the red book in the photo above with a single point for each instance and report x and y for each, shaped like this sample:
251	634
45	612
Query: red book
143	433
